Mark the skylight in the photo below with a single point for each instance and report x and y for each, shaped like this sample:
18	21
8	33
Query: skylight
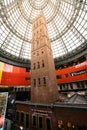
66	23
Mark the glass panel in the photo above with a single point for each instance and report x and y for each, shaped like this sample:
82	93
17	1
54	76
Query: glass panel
66	23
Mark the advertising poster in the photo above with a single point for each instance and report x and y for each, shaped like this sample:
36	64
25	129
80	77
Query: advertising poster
3	105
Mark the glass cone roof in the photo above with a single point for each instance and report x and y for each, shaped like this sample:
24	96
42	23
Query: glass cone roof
66	23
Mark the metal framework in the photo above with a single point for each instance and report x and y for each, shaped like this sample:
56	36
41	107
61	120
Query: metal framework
66	23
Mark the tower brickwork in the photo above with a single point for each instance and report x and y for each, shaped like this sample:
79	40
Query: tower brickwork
43	77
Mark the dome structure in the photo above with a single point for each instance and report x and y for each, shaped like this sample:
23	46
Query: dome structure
66	23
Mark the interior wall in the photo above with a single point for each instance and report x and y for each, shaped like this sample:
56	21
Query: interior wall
12	75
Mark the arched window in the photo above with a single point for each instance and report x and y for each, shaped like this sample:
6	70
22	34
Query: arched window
22	117
48	124
44	80
27	121
34	66
34	121
34	81
40	123
39	81
42	63
38	65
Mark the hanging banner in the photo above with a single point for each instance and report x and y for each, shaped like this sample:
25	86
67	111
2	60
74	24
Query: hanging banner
1	70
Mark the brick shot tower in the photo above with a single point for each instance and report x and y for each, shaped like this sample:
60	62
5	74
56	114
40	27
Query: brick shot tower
43	77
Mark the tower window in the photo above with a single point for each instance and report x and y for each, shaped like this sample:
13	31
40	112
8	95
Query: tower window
34	82
42	63
42	52
39	81
38	65
44	80
34	66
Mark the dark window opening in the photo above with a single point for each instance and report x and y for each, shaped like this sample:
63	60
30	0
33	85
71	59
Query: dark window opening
27	69
82	84
40	123
48	124
42	63
34	121
58	76
39	81
66	86
71	86
34	82
22	117
27	78
17	116
27	121
44	80
66	75
78	85
61	87
38	64
81	127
